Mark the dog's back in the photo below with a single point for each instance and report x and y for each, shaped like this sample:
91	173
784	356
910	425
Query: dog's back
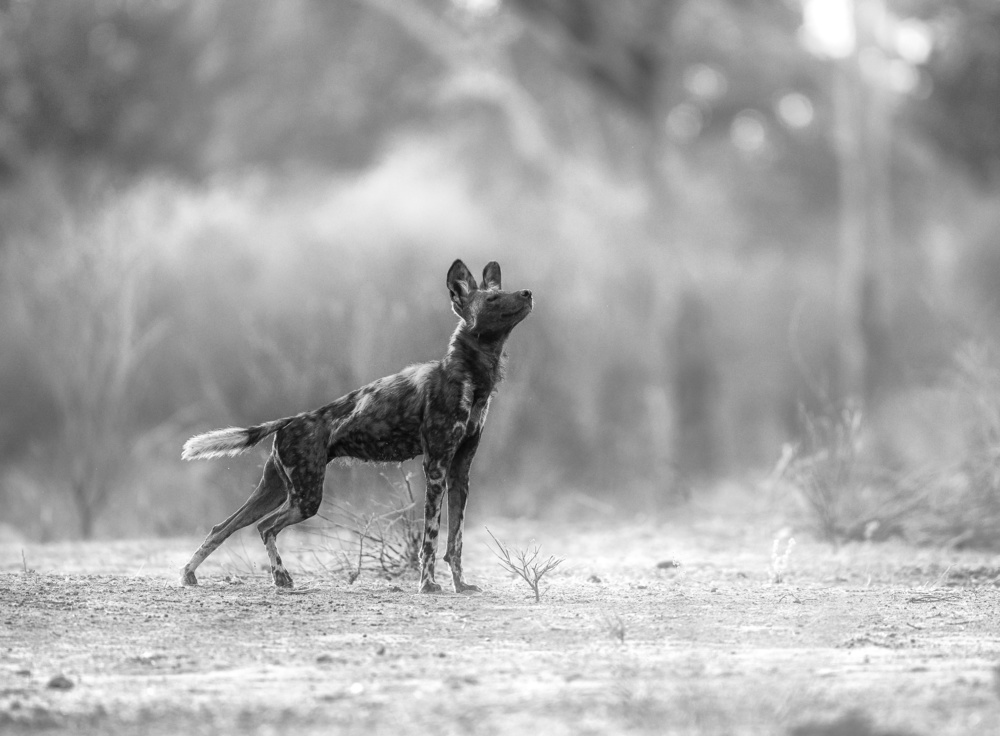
381	421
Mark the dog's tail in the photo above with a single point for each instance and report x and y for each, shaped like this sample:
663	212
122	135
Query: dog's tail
230	441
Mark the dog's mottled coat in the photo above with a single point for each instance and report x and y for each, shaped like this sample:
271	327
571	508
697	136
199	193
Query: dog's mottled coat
435	409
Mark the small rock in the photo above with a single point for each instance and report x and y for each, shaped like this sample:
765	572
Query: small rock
594	579
60	682
324	659
380	650
667	564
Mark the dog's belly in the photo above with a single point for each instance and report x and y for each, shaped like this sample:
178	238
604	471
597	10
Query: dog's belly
380	444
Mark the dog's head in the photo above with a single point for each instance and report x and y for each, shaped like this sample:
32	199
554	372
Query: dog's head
486	309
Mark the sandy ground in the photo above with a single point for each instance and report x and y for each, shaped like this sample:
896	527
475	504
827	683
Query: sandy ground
99	638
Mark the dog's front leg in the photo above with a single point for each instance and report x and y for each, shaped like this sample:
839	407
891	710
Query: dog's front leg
458	495
435	473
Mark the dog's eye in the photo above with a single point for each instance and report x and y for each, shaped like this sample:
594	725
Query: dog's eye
492	297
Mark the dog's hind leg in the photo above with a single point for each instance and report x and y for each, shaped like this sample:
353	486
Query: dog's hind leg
269	494
289	513
305	494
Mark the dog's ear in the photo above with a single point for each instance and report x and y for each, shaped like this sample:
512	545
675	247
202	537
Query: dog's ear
491	276
461	283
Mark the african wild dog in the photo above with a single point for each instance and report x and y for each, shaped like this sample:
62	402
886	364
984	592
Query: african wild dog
435	409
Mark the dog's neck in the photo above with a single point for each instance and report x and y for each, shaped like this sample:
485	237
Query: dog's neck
481	357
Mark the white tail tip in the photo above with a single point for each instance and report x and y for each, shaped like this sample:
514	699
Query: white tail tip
217	443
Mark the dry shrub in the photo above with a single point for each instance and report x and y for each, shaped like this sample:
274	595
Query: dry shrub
388	535
526	564
846	490
964	502
926	468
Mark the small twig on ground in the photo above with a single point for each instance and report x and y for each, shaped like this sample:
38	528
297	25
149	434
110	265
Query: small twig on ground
240	563
779	560
301	590
942	577
525	564
792	595
406	482
362	535
932	598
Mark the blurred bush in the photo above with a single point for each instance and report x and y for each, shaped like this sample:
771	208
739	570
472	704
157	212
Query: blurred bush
221	212
924	467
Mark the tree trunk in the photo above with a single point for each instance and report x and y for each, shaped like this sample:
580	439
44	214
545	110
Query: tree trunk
696	391
863	141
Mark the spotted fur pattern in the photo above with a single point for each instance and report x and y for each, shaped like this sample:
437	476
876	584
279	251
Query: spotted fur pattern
435	409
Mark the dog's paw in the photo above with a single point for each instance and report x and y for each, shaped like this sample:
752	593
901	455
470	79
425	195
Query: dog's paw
281	578
429	586
188	577
467	588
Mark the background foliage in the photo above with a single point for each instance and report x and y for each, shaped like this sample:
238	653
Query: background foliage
224	211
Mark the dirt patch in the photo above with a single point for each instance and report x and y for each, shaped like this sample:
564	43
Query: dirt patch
100	638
